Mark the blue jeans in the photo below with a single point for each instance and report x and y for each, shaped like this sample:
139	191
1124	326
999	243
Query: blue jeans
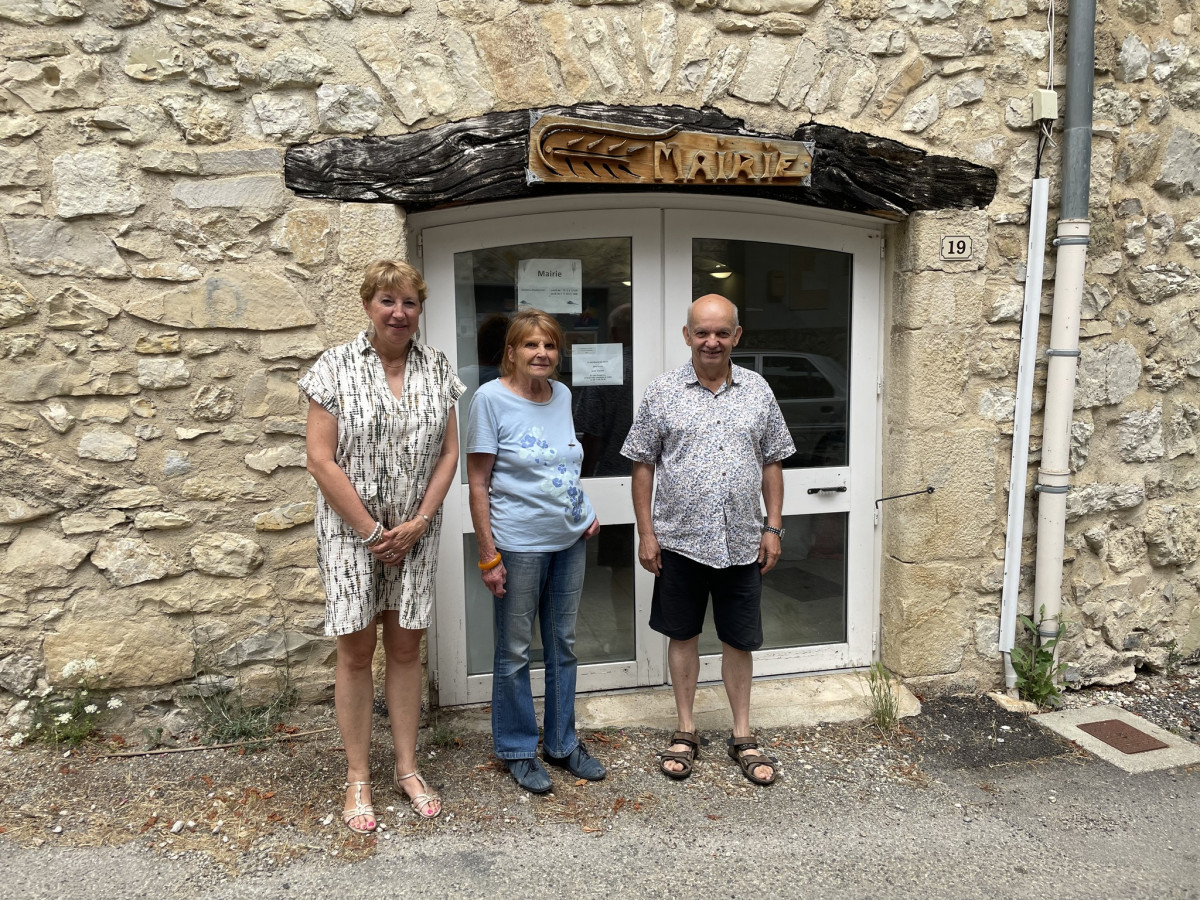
548	586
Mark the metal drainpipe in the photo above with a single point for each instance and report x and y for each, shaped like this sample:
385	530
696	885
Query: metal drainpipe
1072	241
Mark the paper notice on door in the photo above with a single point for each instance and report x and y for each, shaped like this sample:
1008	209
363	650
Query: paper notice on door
596	364
551	285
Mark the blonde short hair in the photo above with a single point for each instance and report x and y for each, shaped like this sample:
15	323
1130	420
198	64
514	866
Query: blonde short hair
525	323
389	275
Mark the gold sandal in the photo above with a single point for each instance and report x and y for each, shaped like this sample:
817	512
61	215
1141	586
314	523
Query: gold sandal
360	810
423	801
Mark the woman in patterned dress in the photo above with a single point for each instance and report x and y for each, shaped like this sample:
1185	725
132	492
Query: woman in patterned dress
531	519
383	448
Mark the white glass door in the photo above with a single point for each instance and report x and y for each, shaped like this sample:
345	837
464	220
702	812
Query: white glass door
477	274
807	294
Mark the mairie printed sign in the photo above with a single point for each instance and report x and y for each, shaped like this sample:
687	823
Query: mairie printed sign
581	150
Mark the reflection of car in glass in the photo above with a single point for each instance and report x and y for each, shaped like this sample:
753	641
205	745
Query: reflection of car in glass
811	391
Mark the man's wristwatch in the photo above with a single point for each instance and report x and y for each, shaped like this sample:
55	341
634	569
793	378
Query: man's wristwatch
775	531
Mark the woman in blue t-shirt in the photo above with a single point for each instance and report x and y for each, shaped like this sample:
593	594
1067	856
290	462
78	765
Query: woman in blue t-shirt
531	520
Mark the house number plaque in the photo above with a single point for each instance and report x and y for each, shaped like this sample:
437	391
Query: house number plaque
565	149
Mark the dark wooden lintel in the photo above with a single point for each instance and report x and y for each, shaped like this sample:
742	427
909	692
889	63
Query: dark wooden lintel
484	158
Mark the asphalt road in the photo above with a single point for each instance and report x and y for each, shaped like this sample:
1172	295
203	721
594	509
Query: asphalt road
1059	828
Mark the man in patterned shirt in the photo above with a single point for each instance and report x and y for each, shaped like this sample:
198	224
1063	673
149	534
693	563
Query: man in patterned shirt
714	435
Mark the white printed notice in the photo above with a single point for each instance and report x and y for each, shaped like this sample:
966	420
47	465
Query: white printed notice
551	285
596	364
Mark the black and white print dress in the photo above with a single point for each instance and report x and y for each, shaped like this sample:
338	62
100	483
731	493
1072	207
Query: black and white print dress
388	447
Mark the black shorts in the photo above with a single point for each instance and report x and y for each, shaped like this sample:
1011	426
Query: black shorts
681	593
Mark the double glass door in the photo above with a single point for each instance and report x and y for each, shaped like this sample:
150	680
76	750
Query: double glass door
619	282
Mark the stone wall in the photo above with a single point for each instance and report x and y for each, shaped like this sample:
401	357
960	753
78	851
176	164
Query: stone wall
161	291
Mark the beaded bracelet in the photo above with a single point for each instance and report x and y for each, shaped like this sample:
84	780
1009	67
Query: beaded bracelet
488	566
375	536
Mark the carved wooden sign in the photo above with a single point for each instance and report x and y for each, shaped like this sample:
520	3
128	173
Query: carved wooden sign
563	149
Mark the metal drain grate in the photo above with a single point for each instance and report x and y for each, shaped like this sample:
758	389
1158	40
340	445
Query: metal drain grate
1122	736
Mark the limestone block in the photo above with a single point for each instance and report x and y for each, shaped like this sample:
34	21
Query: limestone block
221	69
227	487
927	616
142	652
108	413
155	64
40	12
238	161
20	168
1081	436
1179	176
369	231
212	404
262	197
143	407
474	11
1085	499
922	114
132	498
18	673
1157	282
1107	374
226	554
90	182
1172	535
48	85
107	446
303	10
51	247
763	72
271	393
276	425
939	300
926	380
230	298
164	342
1180	433
283	517
348	108
922	250
660	42
1006	9
1140	434
17	126
305	234
512	53
721	72
1125	549
384	59
91	522
468	72
296	67
998	404
183	433
915	73
16	303
272	458
283	117
1100	665
958	520
160	374
239	434
39	559
1133	64
940	43
97	41
160	520
14	510
168	161
176	463
72	309
57	416
202	120
287	646
131	560
965	91
762	7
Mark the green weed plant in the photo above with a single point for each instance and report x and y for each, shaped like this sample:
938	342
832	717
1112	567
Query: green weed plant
1038	675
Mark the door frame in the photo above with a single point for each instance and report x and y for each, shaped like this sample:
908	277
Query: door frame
663	311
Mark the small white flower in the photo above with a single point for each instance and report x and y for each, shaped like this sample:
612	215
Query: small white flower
114	703
83	693
17	739
71	669
63	719
91	709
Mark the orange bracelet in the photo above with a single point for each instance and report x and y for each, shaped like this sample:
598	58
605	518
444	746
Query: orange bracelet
488	566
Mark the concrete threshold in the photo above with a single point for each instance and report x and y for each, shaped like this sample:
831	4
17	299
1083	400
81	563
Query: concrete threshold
802	701
1178	752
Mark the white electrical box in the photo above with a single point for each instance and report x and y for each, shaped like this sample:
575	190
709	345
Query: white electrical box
1045	105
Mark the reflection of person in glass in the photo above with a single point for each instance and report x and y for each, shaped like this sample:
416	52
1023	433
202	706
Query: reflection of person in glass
383	448
715	438
531	519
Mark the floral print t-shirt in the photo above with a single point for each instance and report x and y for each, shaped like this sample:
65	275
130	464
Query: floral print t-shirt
537	504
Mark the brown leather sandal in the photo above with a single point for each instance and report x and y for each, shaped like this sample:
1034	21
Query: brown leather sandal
684	757
750	761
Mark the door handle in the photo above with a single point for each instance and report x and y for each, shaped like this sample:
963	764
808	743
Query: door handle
840	489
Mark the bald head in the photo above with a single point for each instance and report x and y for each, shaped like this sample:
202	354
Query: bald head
714	304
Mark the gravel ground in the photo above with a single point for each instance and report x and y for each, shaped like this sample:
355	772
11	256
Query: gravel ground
234	813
